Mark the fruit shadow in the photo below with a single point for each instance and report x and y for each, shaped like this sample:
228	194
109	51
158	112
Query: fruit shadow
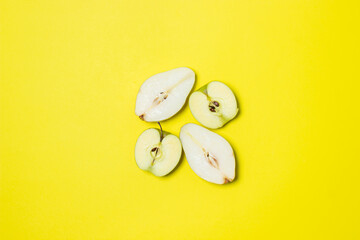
237	168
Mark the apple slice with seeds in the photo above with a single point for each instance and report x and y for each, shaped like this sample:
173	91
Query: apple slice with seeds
209	155
164	94
213	105
157	152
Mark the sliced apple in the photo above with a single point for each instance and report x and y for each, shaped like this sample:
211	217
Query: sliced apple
163	95
157	152
209	155
213	105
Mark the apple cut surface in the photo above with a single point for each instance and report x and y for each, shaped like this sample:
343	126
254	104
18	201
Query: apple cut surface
164	94
213	105
156	155
209	155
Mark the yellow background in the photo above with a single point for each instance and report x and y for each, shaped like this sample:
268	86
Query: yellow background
70	72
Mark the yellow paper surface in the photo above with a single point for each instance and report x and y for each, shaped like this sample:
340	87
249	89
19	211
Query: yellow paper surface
69	75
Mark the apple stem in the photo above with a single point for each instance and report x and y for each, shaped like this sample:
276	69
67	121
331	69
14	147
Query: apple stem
162	134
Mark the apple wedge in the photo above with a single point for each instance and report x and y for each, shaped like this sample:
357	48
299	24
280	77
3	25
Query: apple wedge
164	94
213	105
209	155
157	152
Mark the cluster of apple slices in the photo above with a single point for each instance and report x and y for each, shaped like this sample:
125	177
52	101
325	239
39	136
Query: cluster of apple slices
209	155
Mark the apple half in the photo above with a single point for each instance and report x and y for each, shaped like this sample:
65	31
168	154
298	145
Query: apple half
209	155
213	105
164	94
157	152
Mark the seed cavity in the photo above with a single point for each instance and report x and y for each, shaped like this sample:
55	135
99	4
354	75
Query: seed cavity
155	154
160	98
213	106
211	159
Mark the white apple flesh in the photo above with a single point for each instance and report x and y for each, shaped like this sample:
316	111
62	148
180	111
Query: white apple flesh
156	153
213	105
164	94
209	155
